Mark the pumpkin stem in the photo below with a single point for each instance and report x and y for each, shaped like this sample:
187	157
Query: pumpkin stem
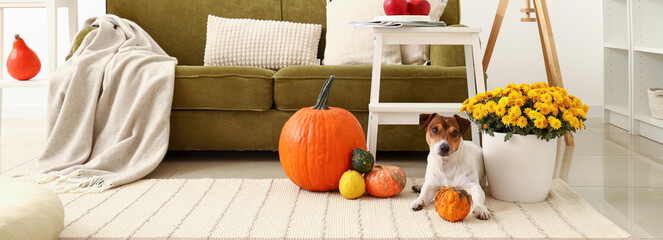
16	36
323	98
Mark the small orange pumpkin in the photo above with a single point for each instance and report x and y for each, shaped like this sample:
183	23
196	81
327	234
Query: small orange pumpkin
385	181
452	204
316	144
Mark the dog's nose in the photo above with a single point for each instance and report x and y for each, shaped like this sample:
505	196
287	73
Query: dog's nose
444	149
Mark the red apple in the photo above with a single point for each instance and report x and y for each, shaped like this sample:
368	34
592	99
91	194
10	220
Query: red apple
395	7
418	7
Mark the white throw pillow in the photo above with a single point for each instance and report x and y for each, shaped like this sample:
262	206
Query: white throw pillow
418	54
260	43
349	46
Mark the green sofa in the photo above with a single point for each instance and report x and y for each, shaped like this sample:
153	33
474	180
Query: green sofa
244	108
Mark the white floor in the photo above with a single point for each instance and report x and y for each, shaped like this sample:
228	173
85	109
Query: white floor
619	174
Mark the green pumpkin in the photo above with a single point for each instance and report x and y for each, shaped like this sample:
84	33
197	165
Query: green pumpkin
362	160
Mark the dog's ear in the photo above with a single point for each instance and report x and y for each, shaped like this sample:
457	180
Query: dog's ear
463	123
424	119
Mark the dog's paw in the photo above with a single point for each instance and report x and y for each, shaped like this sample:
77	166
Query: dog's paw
416	188
417	205
482	213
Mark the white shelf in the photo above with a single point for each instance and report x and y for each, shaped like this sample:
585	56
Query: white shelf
648	50
649	119
32	83
616	80
615	22
646	23
616	46
415	107
23	4
623	110
633	63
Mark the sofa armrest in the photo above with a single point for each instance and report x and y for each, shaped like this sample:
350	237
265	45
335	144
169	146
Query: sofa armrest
447	55
78	40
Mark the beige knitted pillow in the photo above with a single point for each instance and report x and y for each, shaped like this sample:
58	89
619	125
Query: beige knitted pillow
418	54
260	43
349	46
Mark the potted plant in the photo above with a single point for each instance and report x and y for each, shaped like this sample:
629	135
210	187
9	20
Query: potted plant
517	125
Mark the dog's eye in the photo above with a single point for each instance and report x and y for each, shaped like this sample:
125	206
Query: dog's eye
435	131
454	134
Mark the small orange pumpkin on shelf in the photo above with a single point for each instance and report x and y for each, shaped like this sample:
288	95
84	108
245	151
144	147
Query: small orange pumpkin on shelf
452	204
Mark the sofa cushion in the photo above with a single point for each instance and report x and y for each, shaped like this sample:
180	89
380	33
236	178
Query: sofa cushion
298	86
222	88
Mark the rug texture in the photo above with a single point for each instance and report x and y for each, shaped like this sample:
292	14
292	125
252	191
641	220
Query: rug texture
276	208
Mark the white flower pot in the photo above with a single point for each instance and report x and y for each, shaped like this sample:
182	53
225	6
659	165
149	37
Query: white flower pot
521	169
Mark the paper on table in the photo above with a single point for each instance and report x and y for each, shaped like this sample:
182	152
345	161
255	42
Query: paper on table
395	24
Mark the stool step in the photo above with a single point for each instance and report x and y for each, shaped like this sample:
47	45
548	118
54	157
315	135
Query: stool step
415	107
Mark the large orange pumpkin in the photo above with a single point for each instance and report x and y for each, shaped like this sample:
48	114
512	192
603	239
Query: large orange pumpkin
385	181
316	144
452	204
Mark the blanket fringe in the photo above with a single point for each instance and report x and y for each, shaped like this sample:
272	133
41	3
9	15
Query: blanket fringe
67	183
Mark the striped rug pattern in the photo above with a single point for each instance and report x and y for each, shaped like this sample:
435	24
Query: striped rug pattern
277	209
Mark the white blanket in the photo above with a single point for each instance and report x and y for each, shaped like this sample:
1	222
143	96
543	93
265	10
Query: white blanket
108	110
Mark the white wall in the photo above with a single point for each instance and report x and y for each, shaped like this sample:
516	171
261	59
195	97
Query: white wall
31	25
578	32
577	28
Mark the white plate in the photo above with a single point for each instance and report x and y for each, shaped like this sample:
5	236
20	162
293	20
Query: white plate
402	18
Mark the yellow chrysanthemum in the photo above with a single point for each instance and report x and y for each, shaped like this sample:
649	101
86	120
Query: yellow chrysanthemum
533	114
575	123
500	110
477	115
543	108
539	85
490	106
497	91
506	120
533	95
469	107
504	101
558	97
462	108
514	87
541	123
554	122
585	108
546	98
478	111
520	101
515	111
466	101
522	122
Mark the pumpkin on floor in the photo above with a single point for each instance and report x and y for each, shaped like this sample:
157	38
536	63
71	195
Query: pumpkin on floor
452	204
316	144
362	160
385	181
351	185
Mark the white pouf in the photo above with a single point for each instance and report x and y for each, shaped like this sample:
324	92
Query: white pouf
29	211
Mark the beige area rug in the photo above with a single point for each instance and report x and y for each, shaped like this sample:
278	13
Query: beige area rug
276	208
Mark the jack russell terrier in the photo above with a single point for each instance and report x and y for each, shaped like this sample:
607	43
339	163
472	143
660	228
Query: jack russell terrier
451	162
